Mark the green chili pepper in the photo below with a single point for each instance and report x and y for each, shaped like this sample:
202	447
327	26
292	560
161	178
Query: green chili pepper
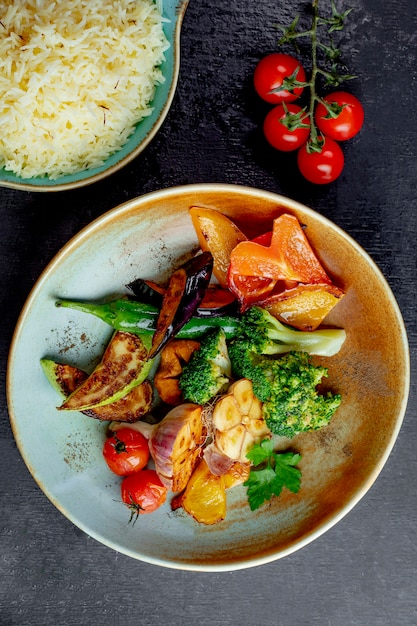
139	318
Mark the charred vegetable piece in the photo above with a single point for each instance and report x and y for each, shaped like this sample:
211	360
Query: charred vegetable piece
147	291
173	358
217	234
139	318
304	306
65	379
130	408
237	474
184	293
176	445
125	364
216	300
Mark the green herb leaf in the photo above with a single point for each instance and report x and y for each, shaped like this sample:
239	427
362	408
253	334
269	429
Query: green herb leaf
271	472
261	452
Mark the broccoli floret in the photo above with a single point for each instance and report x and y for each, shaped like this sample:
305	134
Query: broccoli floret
294	405
286	385
267	335
208	371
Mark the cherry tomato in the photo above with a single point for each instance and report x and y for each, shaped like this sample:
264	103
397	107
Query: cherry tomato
126	452
279	135
321	167
270	73
143	492
349	121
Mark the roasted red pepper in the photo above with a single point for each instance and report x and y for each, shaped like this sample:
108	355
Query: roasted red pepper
280	259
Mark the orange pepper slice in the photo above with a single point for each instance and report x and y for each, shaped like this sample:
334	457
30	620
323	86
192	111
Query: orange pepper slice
289	257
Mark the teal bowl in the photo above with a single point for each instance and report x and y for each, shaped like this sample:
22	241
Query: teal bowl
146	129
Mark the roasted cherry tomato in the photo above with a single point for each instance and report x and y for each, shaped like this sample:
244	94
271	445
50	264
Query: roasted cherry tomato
347	123
143	492
286	137
321	167
126	452
270	74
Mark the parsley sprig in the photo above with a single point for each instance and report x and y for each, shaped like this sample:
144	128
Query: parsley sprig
270	473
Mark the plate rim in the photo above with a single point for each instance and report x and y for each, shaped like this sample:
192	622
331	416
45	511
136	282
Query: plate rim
134	204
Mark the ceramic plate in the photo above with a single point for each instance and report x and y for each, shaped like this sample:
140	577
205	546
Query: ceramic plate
146	237
146	129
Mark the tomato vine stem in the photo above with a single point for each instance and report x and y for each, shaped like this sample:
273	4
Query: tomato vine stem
331	54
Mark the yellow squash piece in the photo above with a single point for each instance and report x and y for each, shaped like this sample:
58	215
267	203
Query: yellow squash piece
205	496
217	234
305	306
237	474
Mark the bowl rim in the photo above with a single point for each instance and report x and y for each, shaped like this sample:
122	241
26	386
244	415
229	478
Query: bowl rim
25	184
134	204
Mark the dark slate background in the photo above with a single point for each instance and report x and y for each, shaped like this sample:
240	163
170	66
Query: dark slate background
363	571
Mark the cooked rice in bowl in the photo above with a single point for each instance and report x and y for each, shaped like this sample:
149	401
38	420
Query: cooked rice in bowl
76	76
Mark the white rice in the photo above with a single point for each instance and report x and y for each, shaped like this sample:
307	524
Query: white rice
75	78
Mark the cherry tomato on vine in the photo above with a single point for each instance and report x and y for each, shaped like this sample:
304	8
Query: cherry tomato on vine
126	451
143	492
270	74
347	123
286	136
321	167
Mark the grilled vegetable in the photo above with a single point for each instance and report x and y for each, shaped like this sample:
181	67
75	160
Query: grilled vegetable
184	293
142	492
216	300
125	364
304	306
147	291
173	358
121	314
176	443
140	318
126	452
218	234
288	257
65	379
204	497
238	421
